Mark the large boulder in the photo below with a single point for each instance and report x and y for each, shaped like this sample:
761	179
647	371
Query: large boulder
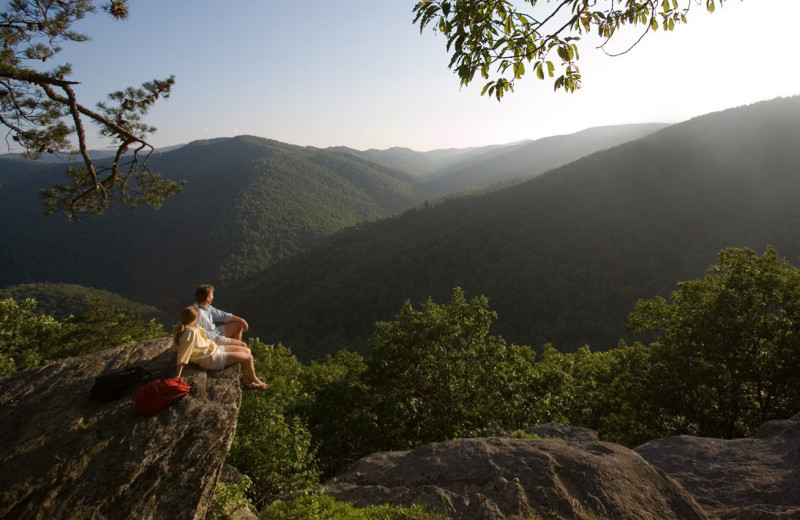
500	478
64	456
741	479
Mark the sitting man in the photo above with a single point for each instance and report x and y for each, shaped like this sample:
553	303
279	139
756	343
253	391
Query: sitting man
230	328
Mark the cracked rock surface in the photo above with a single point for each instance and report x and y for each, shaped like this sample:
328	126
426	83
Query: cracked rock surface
64	456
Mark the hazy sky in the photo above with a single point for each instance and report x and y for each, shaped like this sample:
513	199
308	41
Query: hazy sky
358	73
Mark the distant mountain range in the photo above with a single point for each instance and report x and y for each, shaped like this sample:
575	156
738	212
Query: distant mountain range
64	159
314	245
451	171
563	257
249	203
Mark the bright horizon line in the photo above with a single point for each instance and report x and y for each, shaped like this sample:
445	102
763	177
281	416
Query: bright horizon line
358	73
161	149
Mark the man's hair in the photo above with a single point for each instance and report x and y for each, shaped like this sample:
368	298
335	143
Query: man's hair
202	293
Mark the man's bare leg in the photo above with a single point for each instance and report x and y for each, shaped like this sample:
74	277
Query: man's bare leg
234	330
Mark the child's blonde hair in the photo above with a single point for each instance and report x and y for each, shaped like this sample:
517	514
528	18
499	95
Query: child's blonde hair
188	315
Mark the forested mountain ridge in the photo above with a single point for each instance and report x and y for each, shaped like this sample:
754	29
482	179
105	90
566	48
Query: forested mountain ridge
424	164
453	170
61	300
526	159
249	203
564	256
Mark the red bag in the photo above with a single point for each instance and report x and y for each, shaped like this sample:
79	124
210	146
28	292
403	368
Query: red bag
159	394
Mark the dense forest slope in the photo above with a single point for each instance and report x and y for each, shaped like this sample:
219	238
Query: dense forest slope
249	203
61	300
564	256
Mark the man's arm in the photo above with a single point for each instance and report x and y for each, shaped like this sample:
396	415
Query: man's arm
217	315
237	319
220	316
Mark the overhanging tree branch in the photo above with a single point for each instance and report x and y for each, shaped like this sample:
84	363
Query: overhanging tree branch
37	106
482	35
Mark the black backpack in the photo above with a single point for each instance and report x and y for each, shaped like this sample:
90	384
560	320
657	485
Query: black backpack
108	387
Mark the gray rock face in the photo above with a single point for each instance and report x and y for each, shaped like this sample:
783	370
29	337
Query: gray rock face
563	431
499	478
742	479
63	456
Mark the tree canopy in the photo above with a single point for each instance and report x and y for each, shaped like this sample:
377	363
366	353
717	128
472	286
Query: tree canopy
29	338
501	42
726	345
41	112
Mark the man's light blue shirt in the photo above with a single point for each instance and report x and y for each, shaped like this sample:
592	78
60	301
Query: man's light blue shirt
209	316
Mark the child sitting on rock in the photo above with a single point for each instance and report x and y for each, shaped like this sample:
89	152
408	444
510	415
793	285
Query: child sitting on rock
190	345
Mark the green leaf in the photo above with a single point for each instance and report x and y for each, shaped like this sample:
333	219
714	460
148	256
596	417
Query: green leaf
508	26
519	69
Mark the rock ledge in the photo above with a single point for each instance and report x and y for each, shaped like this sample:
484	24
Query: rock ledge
499	478
63	456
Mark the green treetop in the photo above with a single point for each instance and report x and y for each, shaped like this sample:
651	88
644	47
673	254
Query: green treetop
726	346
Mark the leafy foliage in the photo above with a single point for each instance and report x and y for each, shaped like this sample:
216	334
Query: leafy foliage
336	404
26	338
29	339
435	374
61	299
102	327
726	347
607	391
618	394
323	506
272	448
432	374
229	498
497	39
